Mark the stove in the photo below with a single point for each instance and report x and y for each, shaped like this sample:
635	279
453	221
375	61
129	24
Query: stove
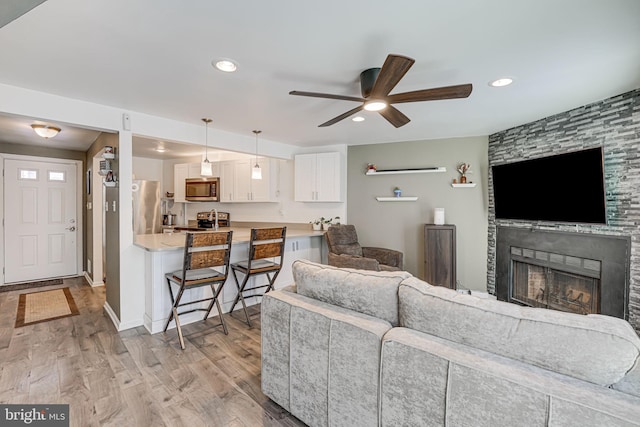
208	219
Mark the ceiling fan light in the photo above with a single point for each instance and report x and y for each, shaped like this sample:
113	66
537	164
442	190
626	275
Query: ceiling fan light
503	81
45	131
375	105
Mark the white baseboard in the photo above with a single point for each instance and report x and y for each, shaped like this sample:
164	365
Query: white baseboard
91	282
112	315
120	326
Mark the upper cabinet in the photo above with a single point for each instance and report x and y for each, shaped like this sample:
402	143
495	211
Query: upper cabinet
238	187
318	177
187	170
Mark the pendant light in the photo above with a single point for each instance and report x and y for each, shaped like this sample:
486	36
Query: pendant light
256	172
205	166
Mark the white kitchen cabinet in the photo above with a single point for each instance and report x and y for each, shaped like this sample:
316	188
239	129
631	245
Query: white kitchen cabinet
298	248
227	178
180	173
238	187
318	177
183	171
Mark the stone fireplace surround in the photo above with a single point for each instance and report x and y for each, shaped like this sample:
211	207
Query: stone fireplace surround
614	124
611	251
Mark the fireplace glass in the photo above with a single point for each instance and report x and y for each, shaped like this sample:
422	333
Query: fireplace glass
540	286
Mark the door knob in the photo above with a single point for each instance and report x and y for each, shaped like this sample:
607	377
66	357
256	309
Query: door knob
72	228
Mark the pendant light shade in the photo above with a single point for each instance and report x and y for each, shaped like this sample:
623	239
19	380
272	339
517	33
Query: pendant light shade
205	166
256	172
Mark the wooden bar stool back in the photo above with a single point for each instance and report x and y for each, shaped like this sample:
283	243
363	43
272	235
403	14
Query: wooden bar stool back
206	263
266	254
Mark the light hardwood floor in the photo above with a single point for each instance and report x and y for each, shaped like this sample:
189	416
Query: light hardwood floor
133	378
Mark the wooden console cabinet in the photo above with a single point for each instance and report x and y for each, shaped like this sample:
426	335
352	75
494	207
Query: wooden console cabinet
440	255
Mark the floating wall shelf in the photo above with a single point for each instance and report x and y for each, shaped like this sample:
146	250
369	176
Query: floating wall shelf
402	171
396	199
469	185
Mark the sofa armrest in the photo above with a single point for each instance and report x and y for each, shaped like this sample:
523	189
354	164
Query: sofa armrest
351	261
384	256
321	362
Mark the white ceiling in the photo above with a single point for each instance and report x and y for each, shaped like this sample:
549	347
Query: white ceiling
154	56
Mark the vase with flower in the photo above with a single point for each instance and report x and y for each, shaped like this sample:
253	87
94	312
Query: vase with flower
463	170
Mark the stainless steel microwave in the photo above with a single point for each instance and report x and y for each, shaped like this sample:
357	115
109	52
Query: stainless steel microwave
202	189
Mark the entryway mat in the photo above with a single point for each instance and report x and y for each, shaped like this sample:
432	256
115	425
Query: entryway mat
30	285
36	307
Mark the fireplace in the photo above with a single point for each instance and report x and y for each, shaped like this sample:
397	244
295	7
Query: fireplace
574	272
550	285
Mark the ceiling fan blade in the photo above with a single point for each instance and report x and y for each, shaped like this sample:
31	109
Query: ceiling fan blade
393	69
394	116
448	92
326	95
341	117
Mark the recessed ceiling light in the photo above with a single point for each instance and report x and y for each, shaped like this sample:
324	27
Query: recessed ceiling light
358	119
161	149
503	81
375	105
226	65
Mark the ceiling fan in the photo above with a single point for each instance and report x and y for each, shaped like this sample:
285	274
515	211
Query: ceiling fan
375	85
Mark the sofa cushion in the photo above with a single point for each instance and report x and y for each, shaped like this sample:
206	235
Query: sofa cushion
595	348
370	292
430	381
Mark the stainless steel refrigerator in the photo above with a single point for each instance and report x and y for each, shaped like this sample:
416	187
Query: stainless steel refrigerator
147	218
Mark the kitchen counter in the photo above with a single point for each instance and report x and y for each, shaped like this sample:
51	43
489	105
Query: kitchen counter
175	241
163	253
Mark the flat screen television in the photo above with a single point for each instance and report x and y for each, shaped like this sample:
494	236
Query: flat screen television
566	187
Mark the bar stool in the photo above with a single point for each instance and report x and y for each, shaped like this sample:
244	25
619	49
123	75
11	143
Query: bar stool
202	252
264	243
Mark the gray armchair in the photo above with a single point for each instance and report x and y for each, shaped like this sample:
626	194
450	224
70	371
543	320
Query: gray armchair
345	251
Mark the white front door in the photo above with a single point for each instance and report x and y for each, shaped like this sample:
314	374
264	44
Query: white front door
40	220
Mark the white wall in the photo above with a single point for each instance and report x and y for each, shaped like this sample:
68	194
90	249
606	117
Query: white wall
150	170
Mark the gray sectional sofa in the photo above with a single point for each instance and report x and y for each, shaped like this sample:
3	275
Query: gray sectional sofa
350	347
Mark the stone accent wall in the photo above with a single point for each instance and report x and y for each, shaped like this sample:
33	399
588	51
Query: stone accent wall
614	124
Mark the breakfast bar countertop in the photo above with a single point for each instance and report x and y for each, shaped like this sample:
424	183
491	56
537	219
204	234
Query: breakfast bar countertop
175	241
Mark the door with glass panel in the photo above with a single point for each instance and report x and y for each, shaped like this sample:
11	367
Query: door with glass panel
40	224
